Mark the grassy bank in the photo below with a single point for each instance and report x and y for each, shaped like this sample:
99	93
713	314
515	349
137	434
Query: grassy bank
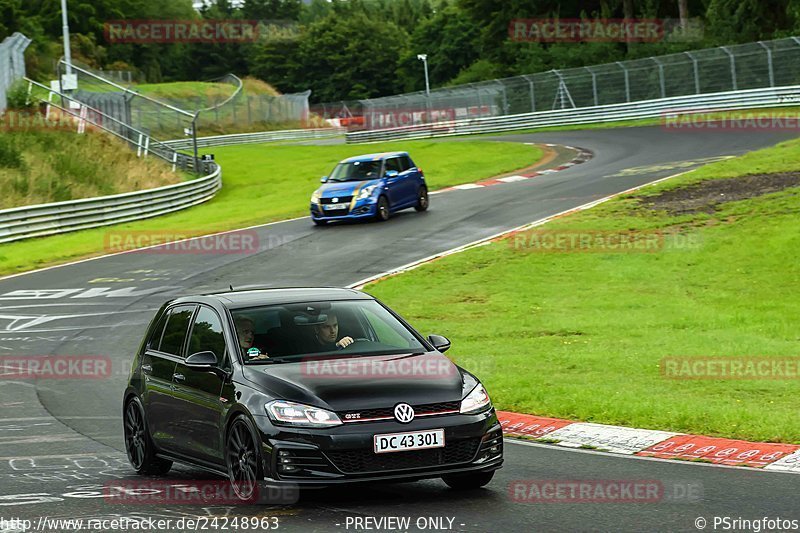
39	167
263	183
583	335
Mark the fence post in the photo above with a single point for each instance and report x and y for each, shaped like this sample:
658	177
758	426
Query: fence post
661	77
769	63
696	72
533	94
733	65
594	86
627	81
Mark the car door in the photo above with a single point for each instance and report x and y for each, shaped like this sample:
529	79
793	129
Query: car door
162	353
397	186
197	393
407	181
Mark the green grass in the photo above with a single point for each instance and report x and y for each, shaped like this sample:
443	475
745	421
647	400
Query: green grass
580	335
263	183
40	165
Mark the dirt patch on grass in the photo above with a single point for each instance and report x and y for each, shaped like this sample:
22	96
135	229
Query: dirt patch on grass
704	197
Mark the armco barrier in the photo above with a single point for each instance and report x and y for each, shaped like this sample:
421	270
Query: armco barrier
732	100
259	137
48	219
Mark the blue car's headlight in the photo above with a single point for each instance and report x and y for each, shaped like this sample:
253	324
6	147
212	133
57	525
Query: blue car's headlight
301	415
366	192
315	197
476	401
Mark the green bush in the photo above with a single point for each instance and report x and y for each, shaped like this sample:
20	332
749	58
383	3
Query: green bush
18	96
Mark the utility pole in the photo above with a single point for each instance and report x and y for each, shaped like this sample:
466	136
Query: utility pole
424	59
65	30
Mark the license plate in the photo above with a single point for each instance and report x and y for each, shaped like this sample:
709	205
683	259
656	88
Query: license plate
417	440
333	207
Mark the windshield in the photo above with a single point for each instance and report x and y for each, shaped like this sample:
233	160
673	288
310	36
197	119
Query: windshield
356	171
291	332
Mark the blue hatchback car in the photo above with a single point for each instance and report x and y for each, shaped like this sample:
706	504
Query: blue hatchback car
370	186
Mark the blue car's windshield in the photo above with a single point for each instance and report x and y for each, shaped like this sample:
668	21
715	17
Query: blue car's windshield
356	171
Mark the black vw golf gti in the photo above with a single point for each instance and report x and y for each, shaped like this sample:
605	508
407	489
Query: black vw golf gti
308	387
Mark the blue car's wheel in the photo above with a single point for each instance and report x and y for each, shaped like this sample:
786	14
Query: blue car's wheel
422	199
382	209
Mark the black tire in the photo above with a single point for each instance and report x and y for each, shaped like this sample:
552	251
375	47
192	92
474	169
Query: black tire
320	222
472	480
138	444
382	209
243	459
422	199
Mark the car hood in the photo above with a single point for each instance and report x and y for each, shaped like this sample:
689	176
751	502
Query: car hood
344	384
344	188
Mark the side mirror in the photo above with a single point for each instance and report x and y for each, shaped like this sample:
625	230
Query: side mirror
201	360
440	343
324	179
392	173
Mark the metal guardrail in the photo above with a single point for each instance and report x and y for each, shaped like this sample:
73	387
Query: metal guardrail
49	219
697	103
260	137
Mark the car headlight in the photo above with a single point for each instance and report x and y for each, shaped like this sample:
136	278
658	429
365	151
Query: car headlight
300	415
476	401
366	192
315	197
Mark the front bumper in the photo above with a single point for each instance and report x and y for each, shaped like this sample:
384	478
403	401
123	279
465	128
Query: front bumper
318	458
362	209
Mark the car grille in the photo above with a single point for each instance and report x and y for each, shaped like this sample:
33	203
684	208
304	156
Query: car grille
362	461
342	200
365	415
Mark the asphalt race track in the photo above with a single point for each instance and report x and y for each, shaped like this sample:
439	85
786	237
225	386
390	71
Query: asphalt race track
61	440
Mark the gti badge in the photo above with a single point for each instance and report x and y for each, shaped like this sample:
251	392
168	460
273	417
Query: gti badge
404	413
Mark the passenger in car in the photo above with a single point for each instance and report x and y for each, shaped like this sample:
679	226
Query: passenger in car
245	332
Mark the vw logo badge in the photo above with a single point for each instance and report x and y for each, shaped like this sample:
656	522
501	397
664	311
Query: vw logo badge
404	413
335	200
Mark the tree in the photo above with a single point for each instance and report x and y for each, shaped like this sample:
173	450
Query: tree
351	57
271	10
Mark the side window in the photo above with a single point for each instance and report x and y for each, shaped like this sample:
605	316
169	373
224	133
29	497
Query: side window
176	330
406	163
393	164
158	331
207	334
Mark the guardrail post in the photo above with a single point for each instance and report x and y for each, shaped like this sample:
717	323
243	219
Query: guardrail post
146	146
733	65
174	160
696	72
769	63
627	81
139	146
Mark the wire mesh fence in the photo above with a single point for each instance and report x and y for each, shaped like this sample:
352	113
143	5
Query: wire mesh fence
12	64
221	107
729	68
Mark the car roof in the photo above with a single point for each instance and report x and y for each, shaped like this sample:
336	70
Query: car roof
278	296
373	157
